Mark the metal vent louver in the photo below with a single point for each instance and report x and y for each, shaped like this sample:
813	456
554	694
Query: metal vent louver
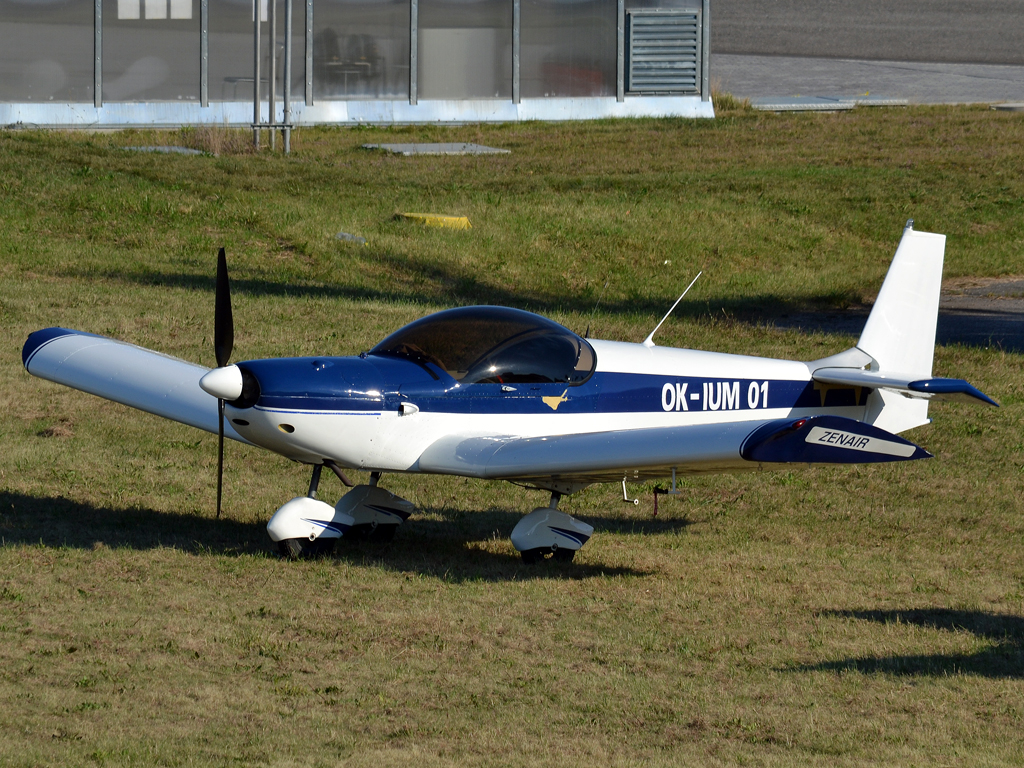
664	51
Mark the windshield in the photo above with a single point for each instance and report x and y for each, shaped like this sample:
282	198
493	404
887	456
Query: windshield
494	345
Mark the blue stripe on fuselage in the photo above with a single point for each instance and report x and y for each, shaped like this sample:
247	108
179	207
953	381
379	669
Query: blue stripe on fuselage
377	384
630	392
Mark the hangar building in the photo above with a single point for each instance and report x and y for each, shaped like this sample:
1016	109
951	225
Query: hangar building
191	62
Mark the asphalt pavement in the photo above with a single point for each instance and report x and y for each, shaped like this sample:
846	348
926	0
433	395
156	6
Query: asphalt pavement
924	51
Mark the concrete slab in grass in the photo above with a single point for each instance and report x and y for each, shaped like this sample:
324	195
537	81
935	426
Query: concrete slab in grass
166	150
801	104
438	149
870	100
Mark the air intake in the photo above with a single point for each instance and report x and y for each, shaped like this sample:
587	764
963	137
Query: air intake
664	52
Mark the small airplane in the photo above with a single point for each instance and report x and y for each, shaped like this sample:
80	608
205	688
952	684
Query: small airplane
503	394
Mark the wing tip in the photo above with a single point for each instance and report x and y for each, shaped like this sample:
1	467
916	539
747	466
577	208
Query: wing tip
39	339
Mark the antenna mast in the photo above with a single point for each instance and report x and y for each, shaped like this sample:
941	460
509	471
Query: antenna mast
649	341
594	310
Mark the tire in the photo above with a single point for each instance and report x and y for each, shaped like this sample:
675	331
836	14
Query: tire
532	556
382	534
358	532
304	549
564	555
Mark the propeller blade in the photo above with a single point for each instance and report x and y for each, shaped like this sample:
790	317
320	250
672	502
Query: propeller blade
220	453
223	324
223	342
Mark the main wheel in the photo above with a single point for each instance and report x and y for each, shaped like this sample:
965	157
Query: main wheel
304	549
378	534
532	556
358	532
383	533
564	555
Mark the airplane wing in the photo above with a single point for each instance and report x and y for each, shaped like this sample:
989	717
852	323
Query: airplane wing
932	389
137	377
643	454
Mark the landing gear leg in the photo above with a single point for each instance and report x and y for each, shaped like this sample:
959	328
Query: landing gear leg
314	481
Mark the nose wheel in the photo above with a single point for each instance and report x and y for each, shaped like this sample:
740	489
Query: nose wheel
297	549
560	555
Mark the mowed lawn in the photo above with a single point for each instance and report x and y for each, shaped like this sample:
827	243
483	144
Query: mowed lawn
840	616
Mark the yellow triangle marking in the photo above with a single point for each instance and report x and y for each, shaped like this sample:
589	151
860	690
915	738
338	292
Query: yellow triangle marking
554	402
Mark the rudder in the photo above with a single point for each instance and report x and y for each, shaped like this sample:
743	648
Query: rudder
900	332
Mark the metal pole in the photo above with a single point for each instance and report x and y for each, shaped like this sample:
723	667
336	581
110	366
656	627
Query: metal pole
256	13
287	76
204	53
309	53
516	9
272	107
97	50
620	55
414	39
705	54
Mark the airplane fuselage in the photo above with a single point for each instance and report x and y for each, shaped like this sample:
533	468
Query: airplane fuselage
381	413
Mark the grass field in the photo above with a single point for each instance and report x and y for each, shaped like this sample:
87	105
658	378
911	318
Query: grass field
842	616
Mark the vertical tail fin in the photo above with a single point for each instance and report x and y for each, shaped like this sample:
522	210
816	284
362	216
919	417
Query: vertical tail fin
900	332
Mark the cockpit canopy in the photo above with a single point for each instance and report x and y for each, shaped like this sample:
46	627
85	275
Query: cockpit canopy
496	345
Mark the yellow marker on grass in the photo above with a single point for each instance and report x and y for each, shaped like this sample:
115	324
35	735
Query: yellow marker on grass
437	220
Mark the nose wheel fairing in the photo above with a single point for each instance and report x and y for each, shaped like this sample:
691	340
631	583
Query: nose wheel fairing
305	526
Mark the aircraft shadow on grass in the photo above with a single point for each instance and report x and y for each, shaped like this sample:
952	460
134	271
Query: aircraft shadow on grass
1001	327
446	548
455	289
1003	658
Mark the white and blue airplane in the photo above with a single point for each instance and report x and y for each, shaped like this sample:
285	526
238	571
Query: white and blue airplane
502	394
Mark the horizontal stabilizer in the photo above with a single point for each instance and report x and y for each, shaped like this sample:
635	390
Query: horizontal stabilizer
931	389
827	440
127	374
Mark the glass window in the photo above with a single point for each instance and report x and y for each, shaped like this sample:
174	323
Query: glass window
151	50
230	50
229	39
465	49
567	48
47	50
361	49
494	345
